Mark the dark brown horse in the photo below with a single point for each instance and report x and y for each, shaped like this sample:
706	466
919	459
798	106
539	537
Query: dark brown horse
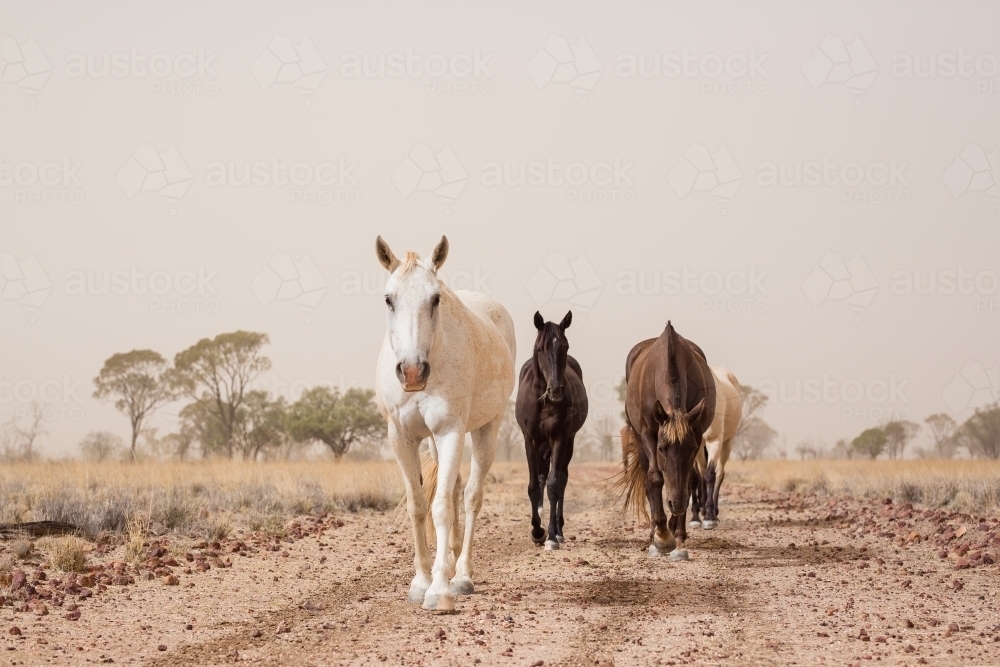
551	407
669	404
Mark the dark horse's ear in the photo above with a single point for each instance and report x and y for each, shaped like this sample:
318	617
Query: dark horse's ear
695	412
385	256
659	414
539	321
566	321
440	253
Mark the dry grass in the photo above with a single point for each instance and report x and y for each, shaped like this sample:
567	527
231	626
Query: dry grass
22	548
964	486
206	498
66	553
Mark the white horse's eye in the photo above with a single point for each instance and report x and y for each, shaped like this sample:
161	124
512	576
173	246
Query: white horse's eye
435	300
388	302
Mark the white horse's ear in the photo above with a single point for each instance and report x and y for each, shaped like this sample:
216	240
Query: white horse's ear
539	321
385	256
566	321
440	254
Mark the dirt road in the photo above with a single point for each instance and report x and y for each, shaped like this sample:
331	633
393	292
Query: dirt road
785	580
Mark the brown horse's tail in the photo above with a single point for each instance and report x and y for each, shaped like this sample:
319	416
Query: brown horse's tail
631	487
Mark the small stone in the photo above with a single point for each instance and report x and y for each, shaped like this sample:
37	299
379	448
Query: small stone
73	616
161	647
14	630
170	580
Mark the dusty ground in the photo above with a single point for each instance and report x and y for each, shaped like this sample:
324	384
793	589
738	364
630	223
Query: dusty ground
786	579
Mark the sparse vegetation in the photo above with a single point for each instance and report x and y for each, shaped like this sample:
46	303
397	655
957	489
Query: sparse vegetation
965	486
66	553
194	497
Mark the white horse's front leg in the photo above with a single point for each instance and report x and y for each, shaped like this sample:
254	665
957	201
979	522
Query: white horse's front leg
484	446
449	448
408	458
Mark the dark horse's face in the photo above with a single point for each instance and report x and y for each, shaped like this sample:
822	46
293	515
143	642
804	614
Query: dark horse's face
677	443
551	349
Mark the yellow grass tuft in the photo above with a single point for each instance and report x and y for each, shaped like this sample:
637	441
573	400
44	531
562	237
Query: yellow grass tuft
66	553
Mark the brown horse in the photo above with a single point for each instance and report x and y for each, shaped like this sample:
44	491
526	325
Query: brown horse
629	445
551	407
669	404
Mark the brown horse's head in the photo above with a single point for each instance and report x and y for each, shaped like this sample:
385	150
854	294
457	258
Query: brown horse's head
551	350
677	443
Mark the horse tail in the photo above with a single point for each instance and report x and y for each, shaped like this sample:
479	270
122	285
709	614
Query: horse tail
428	475
631	487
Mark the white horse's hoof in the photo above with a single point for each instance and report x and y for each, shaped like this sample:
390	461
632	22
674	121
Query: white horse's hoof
462	586
710	525
441	602
560	539
653	552
418	589
678	555
551	545
694	524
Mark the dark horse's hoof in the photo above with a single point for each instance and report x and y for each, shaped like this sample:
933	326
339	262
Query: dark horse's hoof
538	537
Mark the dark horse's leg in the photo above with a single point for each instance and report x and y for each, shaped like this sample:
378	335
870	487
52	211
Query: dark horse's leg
711	506
534	491
556	486
661	538
562	466
697	496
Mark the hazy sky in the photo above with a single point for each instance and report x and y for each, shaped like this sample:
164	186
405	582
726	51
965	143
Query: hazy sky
808	192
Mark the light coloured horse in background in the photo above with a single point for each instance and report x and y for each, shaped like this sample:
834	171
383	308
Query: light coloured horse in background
718	444
446	369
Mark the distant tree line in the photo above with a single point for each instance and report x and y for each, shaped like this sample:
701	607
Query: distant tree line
224	416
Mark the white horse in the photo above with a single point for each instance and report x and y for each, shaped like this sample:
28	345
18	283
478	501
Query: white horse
717	445
446	369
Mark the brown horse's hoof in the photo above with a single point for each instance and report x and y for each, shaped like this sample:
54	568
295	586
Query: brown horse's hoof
709	525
